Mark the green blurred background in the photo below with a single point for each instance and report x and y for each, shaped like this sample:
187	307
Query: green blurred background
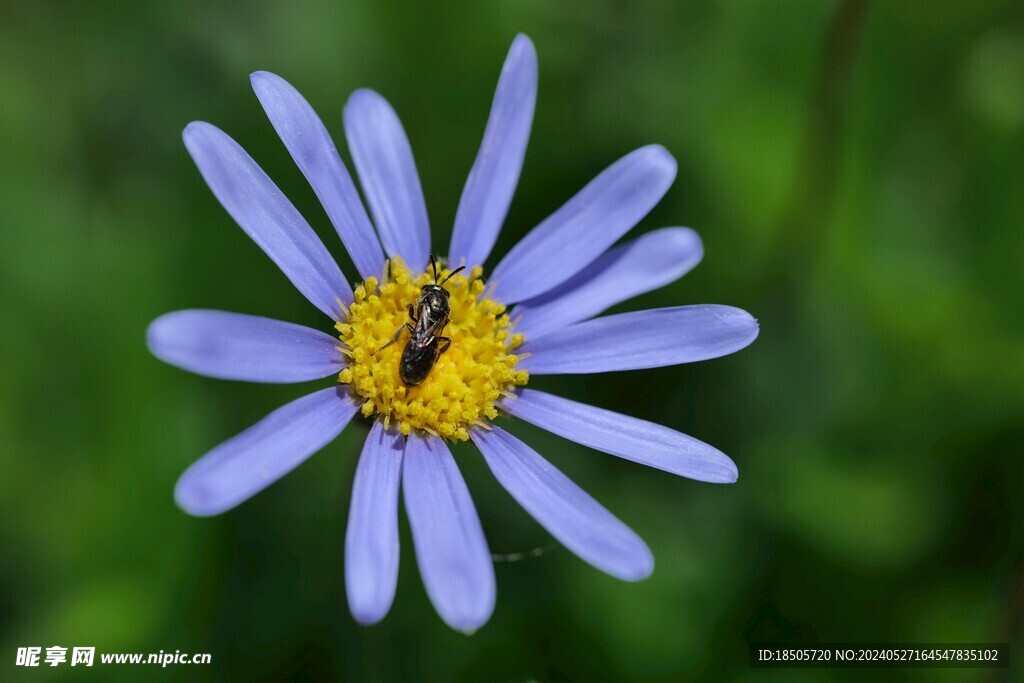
856	172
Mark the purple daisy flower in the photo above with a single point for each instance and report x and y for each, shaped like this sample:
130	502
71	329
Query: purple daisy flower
558	278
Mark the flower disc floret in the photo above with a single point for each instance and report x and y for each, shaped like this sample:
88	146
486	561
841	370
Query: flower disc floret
467	380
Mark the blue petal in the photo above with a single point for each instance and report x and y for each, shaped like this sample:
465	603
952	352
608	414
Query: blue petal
495	173
450	546
243	466
371	541
644	339
243	347
309	143
585	226
626	437
387	172
563	508
266	215
646	263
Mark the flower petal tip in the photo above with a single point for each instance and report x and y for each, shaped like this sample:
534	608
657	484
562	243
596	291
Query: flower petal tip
153	336
755	327
720	470
468	624
643	569
730	475
739	319
522	39
266	84
197	129
192	500
471	616
661	159
366	615
523	47
161	336
635	564
690	239
258	77
364	97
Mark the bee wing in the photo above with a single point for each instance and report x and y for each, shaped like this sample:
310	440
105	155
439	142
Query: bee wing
431	323
437	327
423	324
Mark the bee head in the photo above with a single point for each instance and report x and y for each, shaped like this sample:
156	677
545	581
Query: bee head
428	290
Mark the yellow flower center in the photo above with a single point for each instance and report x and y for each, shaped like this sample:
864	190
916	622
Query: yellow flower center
461	389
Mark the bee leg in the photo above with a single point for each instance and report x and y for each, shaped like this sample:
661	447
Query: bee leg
412	313
406	326
445	342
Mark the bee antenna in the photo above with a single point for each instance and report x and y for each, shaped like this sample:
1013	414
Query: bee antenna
452	274
433	265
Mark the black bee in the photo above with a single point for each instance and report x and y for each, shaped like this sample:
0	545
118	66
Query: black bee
426	344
